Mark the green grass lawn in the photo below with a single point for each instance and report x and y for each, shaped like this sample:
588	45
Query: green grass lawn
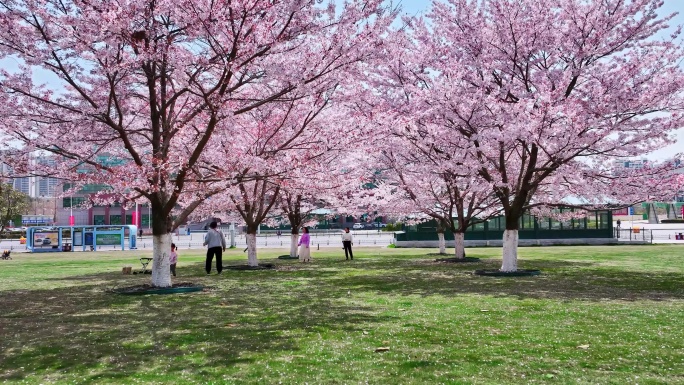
608	315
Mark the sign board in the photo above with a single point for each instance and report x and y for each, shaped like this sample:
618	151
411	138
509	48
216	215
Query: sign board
45	240
108	239
36	219
77	238
630	211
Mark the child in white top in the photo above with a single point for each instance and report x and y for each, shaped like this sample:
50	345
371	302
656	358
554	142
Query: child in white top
173	259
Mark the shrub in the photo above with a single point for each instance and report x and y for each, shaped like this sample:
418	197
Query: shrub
672	221
392	227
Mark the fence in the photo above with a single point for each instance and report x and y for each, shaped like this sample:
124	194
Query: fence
270	239
649	235
633	234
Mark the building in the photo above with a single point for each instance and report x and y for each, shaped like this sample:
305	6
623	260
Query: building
634	164
114	214
595	228
31	185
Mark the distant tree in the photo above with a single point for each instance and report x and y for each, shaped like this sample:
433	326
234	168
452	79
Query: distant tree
12	204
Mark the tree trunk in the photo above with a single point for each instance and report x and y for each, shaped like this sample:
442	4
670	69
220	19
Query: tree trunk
442	243
252	249
459	245
295	222
510	251
294	238
161	247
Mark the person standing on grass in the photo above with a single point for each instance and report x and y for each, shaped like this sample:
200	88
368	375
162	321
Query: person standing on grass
173	259
304	249
347	244
216	244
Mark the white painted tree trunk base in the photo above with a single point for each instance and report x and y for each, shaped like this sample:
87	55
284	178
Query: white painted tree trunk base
161	273
510	251
442	243
459	245
251	250
294	238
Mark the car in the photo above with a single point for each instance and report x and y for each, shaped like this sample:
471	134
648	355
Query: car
379	225
358	226
46	241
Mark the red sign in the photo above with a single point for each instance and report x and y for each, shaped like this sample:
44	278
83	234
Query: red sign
72	220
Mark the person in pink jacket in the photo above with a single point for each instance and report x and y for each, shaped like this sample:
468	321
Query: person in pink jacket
304	249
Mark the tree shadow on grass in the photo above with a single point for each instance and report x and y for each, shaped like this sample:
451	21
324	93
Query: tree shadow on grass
567	280
94	335
100	335
564	280
560	279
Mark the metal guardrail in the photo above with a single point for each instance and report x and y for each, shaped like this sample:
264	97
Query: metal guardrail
648	235
195	240
634	234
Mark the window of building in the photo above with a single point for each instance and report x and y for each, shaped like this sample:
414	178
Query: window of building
479	226
75	201
98	220
544	223
115	220
498	223
145	220
527	222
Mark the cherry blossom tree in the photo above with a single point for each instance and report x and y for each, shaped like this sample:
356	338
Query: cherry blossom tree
284	159
425	184
426	173
326	183
136	91
541	96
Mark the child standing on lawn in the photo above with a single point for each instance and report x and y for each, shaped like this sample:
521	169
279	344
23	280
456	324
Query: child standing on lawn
173	258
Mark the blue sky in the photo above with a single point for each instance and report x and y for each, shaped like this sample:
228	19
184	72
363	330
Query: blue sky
418	7
414	7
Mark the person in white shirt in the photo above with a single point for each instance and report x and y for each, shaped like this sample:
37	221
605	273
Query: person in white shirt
347	244
216	244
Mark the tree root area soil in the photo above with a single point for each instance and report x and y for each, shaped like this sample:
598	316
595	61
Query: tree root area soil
287	257
262	266
458	260
499	273
181	287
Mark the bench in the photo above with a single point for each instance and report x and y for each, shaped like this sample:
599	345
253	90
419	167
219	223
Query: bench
144	261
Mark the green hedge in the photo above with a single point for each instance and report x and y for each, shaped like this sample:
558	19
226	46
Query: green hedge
672	221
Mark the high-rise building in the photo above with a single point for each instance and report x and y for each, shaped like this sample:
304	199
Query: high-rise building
633	164
22	185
